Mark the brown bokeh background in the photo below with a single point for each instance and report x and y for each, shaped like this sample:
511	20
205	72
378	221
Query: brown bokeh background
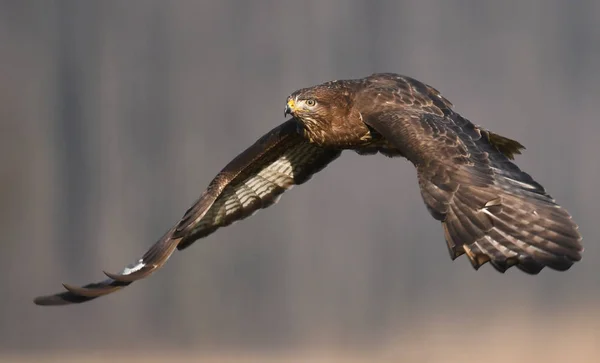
114	116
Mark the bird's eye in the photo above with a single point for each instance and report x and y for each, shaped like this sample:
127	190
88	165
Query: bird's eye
311	102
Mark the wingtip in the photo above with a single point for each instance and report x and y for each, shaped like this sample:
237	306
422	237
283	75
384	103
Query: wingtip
93	291
60	299
41	301
111	275
70	288
132	275
119	277
51	300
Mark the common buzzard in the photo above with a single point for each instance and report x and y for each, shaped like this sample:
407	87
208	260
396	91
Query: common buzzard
490	210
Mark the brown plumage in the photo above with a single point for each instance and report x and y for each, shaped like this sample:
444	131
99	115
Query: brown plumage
490	210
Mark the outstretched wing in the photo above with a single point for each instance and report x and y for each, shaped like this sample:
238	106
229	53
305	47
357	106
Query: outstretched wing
153	259
489	208
255	179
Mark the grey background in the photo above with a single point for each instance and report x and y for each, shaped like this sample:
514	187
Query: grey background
114	115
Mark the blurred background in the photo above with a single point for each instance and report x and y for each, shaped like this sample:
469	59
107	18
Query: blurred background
115	115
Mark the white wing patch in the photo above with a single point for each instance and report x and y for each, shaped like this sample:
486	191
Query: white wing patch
260	190
520	184
505	175
129	269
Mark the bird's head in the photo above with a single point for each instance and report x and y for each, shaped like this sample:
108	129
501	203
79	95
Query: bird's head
320	106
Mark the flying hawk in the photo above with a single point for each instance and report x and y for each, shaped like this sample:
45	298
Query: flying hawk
490	210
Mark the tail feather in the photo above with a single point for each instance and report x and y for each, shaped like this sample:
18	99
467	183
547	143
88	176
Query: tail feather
511	230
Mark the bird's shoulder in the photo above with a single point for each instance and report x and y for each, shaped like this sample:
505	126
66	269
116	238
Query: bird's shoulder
391	91
408	102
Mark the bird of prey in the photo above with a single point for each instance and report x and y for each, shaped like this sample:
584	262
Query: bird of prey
489	209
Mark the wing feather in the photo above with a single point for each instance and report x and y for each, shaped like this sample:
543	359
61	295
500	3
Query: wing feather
490	209
255	179
242	191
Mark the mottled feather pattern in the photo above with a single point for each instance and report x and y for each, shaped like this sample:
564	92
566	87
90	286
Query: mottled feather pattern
257	189
152	260
507	216
255	179
489	208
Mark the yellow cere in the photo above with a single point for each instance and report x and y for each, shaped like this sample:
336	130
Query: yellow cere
291	104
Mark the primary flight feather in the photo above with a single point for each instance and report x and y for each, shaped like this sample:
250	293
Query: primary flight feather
490	209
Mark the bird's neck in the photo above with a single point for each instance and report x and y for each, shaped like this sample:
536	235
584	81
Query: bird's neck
347	132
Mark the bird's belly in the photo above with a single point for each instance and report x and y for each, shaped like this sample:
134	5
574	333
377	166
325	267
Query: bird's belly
378	146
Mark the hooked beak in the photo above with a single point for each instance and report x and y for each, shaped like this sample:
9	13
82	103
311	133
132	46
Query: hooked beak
289	107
